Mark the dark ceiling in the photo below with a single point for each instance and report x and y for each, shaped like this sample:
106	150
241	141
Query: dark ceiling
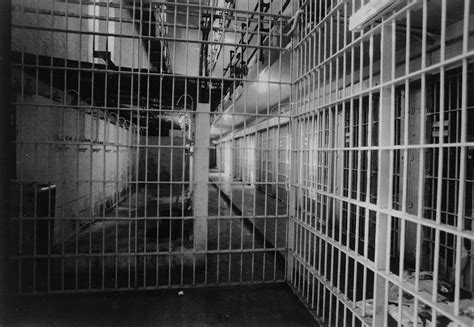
112	87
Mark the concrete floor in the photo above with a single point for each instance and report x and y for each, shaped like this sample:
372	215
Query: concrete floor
249	200
273	305
264	214
228	229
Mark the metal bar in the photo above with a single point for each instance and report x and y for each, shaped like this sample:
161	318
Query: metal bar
345	154
6	166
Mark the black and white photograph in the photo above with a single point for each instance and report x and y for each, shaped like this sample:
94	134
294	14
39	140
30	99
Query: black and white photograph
237	163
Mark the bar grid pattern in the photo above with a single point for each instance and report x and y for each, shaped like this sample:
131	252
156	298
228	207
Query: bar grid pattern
381	185
125	112
171	144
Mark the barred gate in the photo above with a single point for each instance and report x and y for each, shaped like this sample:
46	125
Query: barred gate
343	151
381	182
117	105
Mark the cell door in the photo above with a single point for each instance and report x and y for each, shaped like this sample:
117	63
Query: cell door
117	105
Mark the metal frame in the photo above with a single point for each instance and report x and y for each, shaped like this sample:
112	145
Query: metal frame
6	165
111	187
350	180
386	237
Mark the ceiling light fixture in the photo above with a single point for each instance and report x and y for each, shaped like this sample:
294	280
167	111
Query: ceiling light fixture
369	12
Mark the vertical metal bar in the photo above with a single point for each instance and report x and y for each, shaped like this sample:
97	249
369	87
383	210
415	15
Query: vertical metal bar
146	224
19	137
350	144
127	143
293	169
421	178
462	172
359	164
132	223
80	123
7	167
439	189
384	173
35	169
159	165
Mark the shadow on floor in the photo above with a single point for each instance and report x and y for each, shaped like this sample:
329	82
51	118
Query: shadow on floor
266	305
130	252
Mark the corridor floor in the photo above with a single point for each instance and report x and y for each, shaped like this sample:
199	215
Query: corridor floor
267	305
242	250
248	199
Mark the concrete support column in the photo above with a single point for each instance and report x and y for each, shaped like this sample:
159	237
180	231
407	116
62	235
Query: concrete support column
201	175
7	156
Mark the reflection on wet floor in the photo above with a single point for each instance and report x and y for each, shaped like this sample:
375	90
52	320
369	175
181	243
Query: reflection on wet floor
129	249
